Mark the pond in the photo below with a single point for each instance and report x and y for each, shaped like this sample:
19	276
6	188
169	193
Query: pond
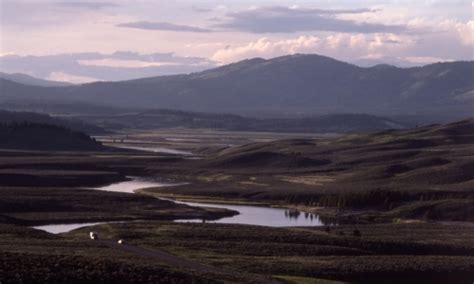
63	228
248	215
259	215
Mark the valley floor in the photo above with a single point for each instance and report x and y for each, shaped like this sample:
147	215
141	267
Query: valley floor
370	184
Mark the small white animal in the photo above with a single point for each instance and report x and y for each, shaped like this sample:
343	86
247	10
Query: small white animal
93	235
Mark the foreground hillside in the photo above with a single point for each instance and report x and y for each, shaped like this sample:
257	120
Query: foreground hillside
436	253
423	172
297	84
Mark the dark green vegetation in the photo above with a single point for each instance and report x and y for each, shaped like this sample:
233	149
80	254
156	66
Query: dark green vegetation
67	109
296	84
7	117
56	177
393	253
157	119
425	172
35	136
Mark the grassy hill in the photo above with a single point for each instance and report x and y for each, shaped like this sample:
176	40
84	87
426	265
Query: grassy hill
423	172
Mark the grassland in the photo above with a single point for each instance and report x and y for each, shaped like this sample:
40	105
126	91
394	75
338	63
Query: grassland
390	192
31	256
390	253
422	173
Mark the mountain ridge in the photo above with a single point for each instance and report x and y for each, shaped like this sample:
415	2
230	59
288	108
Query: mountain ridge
297	83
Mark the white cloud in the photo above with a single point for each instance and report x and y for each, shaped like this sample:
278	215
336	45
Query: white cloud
265	47
111	62
465	32
65	77
340	45
425	59
430	41
280	19
162	26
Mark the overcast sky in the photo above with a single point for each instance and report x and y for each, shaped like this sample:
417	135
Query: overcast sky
82	41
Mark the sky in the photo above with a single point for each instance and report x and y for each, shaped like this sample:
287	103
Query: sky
83	41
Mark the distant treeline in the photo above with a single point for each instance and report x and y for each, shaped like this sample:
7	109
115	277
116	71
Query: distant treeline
38	136
380	199
74	124
164	118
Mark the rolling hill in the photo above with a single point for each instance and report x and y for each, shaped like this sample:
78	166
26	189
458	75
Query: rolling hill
296	84
423	172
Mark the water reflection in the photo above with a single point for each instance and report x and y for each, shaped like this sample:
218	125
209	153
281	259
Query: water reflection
294	214
311	218
260	215
134	184
248	215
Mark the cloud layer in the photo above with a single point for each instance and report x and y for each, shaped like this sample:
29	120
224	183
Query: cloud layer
85	4
79	39
87	67
291	20
162	26
453	41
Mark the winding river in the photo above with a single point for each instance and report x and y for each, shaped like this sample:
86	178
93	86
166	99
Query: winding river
249	215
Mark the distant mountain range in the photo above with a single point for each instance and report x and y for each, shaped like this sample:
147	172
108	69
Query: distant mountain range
32	81
295	85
